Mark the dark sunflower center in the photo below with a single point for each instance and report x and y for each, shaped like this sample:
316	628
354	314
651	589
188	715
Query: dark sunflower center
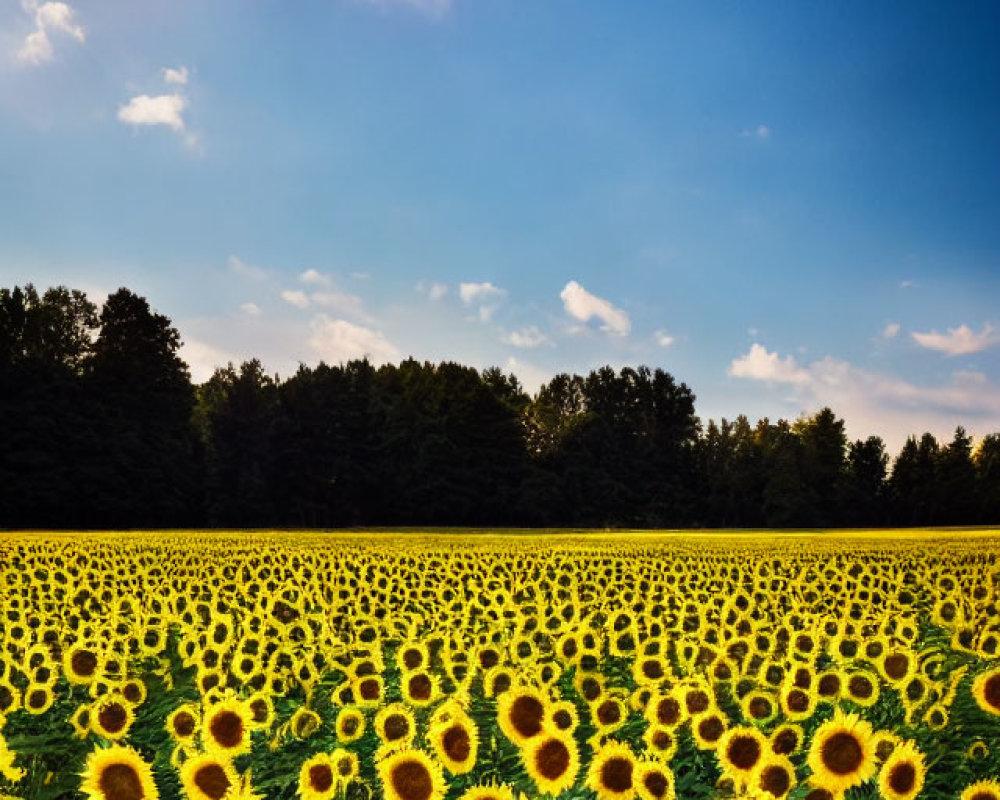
37	699
345	767
259	709
861	687
396	727
652	669
842	754
526	714
413	658
563	719
828	685
668	711
120	782
83	663
743	752
616	774
349	726
991	691
656	783
227	728
759	708
456	743
212	780
369	689
412	781
896	666
184	724
552	759
785	742
710	729
662	740
697	701
320	777
113	717
903	778
775	780
608	713
420	687
798	701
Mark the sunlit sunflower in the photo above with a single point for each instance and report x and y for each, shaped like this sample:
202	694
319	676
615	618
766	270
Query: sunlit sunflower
395	726
612	772
118	773
488	792
707	729
183	723
654	781
608	714
80	720
563	716
81	663
10	697
978	751
842	753
787	739
552	761
304	723
661	742
111	717
38	698
740	751
862	687
982	790
498	680
421	688
261	707
350	725
986	691
455	741
774	777
797	704
225	728
521	713
666	710
208	777
318	778
412	656
411	775
902	774
759	707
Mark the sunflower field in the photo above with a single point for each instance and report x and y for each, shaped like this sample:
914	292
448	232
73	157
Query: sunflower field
231	666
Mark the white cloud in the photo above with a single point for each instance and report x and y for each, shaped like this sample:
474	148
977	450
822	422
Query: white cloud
336	340
342	302
891	331
295	298
584	306
477	292
958	341
203	358
882	405
437	291
178	76
532	377
244	270
164	109
907	284
663	339
250	308
527	337
315	278
52	17
760	132
761	365
481	294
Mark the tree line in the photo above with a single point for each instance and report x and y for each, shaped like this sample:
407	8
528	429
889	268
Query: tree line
103	428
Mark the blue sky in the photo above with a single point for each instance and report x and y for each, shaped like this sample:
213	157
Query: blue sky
786	205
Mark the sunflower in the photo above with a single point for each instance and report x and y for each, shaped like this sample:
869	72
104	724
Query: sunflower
861	687
38	698
80	720
787	739
759	707
497	680
261	707
111	717
563	716
412	656
521	713
666	710
740	751
982	790
304	723
455	741
775	777
208	777
350	725
654	781
828	686
986	691
411	775
978	751
420	688
81	663
10	697
118	773
225	728
183	722
612	772
842	753
661	741
488	792
318	778
707	729
396	726
608	714
650	670
552	761
902	775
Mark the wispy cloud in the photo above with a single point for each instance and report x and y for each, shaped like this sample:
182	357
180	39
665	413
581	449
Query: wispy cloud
527	337
177	76
315	278
484	295
349	304
50	18
145	110
891	331
337	340
760	132
250	308
959	341
239	267
584	306
664	339
296	298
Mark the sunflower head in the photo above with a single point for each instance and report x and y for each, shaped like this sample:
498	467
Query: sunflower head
411	775
842	753
521	713
552	761
902	774
350	725
111	717
318	778
986	691
982	790
225	728
612	772
208	777
455	741
118	773
654	781
775	777
740	751
183	723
